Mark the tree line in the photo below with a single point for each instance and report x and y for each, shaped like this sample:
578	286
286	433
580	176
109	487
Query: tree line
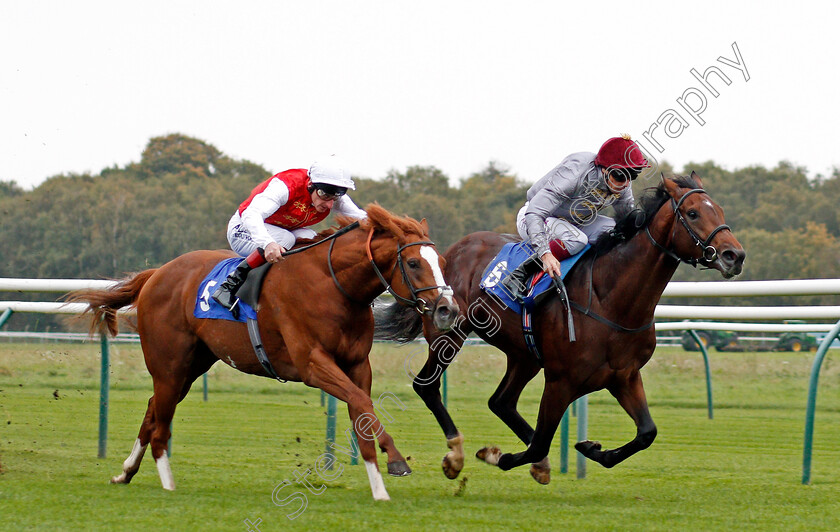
181	193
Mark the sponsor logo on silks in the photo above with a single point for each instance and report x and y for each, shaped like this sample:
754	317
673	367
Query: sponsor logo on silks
240	232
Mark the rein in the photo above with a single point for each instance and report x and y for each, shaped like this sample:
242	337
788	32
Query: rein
587	311
332	237
605	321
415	302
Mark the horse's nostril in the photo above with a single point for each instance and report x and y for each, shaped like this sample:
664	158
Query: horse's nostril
733	257
732	261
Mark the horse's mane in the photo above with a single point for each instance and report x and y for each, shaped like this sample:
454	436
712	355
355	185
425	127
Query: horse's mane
640	217
378	218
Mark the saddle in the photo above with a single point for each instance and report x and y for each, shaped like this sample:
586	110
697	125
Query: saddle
249	292
540	286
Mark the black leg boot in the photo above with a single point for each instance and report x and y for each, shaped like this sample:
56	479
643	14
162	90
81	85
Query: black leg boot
225	295
515	282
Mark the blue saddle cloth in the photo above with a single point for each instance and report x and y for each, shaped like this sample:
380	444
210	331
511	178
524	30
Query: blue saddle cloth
509	257
207	308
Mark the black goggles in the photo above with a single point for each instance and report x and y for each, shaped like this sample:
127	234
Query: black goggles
623	174
329	192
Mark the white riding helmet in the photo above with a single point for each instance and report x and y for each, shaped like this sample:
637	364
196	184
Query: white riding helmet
330	171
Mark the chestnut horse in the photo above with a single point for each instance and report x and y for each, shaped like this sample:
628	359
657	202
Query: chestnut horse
314	314
613	292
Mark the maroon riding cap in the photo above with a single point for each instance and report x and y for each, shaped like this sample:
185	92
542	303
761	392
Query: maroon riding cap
621	152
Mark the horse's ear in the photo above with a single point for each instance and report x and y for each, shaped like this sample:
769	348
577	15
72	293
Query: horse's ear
696	178
425	225
671	187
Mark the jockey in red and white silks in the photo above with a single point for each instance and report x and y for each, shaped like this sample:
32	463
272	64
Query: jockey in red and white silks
561	216
278	212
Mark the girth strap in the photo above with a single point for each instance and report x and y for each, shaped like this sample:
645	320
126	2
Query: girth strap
564	298
528	332
262	356
253	328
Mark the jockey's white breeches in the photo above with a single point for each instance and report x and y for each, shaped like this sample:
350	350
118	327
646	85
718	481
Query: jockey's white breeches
241	242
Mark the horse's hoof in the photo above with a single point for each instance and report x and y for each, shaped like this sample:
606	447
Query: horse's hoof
452	468
588	448
542	476
541	471
121	479
490	455
399	469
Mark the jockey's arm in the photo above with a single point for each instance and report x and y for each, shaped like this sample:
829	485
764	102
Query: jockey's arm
345	206
264	204
551	201
545	203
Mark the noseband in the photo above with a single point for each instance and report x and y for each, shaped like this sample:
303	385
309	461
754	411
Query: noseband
709	254
414	302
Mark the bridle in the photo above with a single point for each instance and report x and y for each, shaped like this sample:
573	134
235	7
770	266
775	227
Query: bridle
414	302
709	254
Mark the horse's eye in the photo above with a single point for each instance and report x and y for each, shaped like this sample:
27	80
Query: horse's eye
413	264
692	214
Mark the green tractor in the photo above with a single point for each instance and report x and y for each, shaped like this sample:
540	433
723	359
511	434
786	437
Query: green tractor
720	340
796	342
728	341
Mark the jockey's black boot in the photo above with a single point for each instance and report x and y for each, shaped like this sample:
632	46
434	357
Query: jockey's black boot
225	295
515	282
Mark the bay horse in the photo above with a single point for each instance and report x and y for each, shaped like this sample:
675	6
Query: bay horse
613	291
314	313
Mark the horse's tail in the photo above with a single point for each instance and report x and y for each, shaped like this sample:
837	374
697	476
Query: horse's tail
396	322
104	304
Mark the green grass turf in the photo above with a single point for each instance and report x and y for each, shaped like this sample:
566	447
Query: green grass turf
741	470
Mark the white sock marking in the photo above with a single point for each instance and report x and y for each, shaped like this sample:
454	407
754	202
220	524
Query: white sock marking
133	461
165	472
377	486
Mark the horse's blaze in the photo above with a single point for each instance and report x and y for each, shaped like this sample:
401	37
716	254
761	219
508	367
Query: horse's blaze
431	256
447	309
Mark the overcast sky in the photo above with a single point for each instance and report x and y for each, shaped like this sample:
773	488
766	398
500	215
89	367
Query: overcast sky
84	85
